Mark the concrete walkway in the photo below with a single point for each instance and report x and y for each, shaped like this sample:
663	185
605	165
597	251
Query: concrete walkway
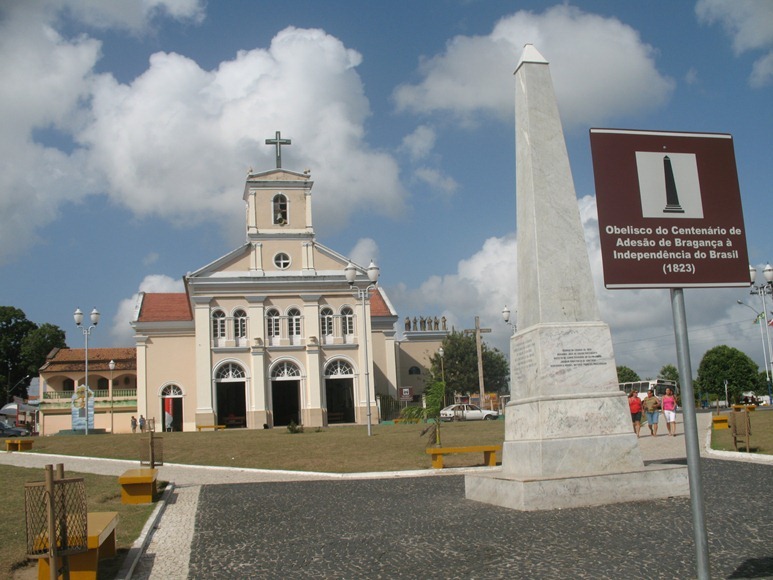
164	548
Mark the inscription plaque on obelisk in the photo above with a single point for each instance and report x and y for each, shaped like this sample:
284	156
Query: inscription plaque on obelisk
568	436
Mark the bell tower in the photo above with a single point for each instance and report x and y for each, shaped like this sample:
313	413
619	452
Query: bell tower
278	200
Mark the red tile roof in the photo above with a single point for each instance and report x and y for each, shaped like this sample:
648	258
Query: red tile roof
165	307
73	359
378	307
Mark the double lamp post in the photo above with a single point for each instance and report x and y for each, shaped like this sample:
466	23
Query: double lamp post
78	317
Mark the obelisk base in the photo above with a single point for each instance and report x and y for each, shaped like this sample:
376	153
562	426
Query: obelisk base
651	482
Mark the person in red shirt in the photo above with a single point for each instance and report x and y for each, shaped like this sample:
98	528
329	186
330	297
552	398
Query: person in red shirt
634	402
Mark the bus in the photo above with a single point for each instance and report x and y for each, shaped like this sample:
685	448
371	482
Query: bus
657	385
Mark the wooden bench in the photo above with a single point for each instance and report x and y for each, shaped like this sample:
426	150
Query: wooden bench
489	453
18	444
213	427
101	544
138	485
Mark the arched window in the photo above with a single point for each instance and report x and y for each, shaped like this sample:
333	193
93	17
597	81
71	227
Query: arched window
339	368
218	324
230	371
171	391
240	324
347	319
272	322
280	209
414	371
326	321
285	370
294	325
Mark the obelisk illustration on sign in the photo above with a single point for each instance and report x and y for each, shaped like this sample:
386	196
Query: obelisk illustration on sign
568	436
672	196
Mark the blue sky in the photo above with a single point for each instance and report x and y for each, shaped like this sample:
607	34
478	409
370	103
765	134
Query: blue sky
128	129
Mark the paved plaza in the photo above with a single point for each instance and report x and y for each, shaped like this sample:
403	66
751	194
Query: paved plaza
234	524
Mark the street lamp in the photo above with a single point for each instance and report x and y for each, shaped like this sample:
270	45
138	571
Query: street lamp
362	294
78	317
13	388
506	317
761	290
441	353
111	366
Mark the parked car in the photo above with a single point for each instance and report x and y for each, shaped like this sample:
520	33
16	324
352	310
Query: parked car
465	412
8	431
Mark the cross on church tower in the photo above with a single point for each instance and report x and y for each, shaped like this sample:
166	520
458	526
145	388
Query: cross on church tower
278	141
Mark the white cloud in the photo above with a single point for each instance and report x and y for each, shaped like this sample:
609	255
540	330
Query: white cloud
420	143
176	140
365	250
602	69
749	24
121	331
436	180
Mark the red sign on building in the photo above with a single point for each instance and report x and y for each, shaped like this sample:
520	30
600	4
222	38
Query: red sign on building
669	209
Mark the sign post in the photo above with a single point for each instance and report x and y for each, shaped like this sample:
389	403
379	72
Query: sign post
670	216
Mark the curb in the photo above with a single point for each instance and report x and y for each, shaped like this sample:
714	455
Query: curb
141	543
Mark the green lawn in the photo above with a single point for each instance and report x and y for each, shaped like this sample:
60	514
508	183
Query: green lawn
336	449
761	440
103	495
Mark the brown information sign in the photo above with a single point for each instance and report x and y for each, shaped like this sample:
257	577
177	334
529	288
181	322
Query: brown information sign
669	209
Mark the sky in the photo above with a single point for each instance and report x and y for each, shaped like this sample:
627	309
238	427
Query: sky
128	129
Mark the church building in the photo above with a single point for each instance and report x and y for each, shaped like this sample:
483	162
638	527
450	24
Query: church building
280	330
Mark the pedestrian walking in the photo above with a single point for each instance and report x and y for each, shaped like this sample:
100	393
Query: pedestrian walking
134	424
634	402
142	424
652	409
669	411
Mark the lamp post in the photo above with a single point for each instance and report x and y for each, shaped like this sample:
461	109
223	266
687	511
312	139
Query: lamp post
111	366
761	290
506	317
78	317
362	294
441	353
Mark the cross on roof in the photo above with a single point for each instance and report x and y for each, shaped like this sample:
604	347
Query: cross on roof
278	141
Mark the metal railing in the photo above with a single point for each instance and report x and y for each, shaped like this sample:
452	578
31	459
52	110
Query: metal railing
98	394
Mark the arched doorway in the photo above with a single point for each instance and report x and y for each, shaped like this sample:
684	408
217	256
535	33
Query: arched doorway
231	399
286	393
172	408
339	392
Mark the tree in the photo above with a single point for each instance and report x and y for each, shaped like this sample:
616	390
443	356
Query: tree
434	397
669	373
723	363
14	326
38	343
626	375
23	349
459	365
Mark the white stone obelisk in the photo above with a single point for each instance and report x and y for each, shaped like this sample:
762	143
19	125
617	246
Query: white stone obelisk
569	441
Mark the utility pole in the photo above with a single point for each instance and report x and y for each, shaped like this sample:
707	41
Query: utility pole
478	331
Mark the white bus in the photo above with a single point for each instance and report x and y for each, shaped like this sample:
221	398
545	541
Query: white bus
658	385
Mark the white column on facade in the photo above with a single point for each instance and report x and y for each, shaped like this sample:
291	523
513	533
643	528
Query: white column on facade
142	374
201	315
257	333
311	332
256	259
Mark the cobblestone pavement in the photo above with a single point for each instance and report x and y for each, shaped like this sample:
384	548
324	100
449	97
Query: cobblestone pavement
237	523
424	528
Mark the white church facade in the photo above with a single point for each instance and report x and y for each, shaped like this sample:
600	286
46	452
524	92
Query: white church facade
269	334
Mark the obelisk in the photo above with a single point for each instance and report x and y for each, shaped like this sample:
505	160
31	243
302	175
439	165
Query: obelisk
569	440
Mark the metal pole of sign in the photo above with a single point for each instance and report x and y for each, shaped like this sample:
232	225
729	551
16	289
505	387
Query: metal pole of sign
690	434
